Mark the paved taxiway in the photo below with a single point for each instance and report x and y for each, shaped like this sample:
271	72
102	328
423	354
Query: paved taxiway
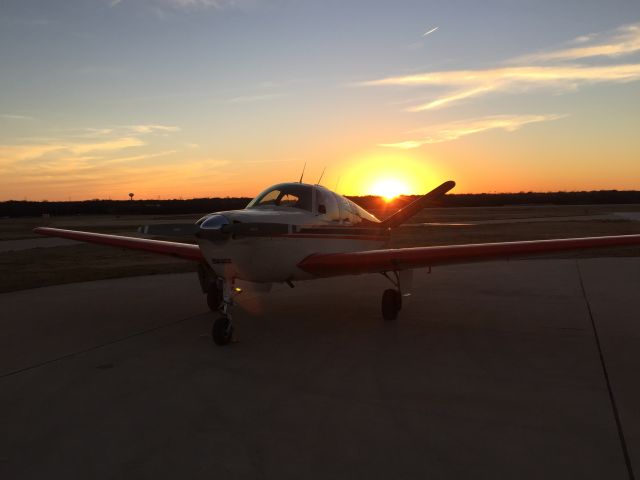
492	371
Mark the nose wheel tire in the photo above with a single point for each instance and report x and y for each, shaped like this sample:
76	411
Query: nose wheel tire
391	304
222	330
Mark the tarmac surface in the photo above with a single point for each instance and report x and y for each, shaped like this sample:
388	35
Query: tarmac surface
27	244
492	371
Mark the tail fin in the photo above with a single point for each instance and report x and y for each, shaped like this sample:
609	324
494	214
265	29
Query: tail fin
410	210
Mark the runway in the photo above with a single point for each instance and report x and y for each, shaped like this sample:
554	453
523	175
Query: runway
491	371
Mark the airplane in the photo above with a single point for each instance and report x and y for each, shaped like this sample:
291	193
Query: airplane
298	231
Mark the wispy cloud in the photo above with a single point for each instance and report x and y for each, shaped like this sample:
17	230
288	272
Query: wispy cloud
9	116
84	149
98	161
213	4
454	130
153	128
473	83
531	72
254	98
141	129
624	40
21	152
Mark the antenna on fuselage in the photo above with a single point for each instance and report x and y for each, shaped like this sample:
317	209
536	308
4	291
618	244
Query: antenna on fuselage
302	174
321	175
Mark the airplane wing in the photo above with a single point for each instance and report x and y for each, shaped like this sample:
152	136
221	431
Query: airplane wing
175	249
373	261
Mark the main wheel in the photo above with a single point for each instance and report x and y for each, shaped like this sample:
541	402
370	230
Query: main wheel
222	330
214	298
391	304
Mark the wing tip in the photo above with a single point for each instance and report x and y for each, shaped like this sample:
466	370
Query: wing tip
448	185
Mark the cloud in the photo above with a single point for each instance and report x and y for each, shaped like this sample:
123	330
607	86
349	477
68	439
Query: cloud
624	40
23	152
526	73
100	142
152	128
128	130
474	83
9	116
94	162
254	98
213	4
454	130
137	158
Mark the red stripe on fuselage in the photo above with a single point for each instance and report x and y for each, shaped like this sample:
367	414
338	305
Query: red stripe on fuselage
329	236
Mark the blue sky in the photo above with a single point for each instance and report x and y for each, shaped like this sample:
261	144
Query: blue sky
202	97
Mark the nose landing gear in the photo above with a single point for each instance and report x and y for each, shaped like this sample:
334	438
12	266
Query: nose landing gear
220	299
222	330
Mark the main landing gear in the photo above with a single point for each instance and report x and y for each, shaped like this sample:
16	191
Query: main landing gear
391	304
392	298
220	299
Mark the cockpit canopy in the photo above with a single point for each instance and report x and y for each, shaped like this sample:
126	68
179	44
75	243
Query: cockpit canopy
315	199
293	195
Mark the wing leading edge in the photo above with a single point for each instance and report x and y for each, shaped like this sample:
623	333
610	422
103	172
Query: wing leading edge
373	261
174	249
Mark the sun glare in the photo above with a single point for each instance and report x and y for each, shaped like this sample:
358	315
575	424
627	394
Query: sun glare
388	189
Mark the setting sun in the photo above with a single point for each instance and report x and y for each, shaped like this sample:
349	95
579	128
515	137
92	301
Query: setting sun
389	188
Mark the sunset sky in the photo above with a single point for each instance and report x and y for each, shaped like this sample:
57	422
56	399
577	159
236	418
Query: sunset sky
200	98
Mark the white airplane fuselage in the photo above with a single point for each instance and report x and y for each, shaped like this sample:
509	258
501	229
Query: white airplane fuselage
278	236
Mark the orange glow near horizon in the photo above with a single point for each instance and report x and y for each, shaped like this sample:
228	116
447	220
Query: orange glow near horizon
388	189
388	175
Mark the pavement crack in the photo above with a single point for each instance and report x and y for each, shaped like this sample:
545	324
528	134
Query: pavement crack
614	406
97	347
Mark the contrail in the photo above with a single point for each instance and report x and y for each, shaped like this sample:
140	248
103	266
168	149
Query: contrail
430	31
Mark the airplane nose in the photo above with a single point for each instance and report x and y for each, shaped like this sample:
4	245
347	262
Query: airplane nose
214	228
214	222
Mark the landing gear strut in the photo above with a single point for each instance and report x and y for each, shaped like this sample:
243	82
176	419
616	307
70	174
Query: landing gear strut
222	330
214	297
220	299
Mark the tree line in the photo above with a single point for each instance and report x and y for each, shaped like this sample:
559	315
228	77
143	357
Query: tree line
17	208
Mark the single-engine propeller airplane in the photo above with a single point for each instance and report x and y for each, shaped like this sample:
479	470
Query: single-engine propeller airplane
299	231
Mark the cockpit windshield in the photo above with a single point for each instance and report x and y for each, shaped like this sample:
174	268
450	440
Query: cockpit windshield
292	195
